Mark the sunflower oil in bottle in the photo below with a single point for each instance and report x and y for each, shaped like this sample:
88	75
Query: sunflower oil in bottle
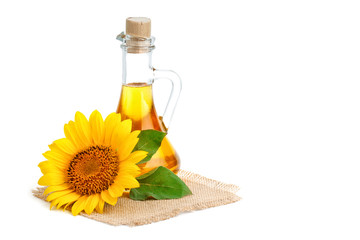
136	99
136	103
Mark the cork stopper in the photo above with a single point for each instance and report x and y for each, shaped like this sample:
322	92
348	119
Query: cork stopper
138	27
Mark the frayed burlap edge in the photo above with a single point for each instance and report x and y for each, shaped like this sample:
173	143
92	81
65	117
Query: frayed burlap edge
207	193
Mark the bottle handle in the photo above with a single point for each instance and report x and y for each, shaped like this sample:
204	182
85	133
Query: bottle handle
174	94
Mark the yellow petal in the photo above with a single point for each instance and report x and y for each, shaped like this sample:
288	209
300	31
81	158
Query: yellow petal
121	132
128	145
52	179
55	188
80	135
111	117
55	195
67	199
79	205
83	128
100	207
91	203
54	203
71	197
136	156
116	190
129	168
60	201
105	195
127	181
47	166
66	146
97	127
72	134
111	121
69	134
125	128
88	200
59	160
66	205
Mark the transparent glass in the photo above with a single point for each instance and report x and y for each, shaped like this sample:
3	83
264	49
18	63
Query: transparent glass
136	99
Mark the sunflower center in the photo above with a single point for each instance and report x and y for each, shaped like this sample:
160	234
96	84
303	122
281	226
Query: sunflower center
93	170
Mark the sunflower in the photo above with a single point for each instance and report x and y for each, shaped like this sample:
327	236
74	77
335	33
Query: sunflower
93	164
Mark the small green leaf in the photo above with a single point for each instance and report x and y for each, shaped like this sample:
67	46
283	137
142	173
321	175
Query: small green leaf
160	183
149	141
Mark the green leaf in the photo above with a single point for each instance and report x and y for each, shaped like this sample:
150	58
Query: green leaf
160	183
149	141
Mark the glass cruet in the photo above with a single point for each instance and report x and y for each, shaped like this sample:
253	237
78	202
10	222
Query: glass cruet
136	99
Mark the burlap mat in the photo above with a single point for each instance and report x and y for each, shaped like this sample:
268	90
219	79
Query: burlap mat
206	193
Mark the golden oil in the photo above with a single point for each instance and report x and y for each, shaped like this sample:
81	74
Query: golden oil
136	103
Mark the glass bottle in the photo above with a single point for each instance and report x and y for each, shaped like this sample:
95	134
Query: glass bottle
136	99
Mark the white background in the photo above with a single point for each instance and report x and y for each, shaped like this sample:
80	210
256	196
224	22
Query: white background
270	102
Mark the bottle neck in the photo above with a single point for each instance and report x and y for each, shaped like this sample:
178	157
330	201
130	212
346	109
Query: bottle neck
137	67
137	59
